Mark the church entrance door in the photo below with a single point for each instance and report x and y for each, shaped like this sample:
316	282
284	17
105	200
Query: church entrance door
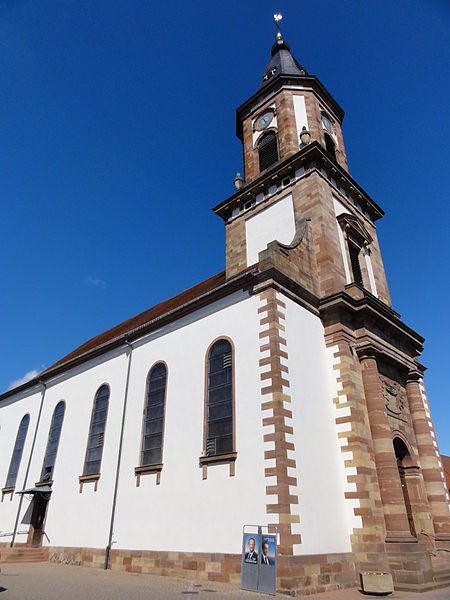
36	532
403	461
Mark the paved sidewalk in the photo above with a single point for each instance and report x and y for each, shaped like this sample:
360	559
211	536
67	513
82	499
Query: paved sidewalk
45	581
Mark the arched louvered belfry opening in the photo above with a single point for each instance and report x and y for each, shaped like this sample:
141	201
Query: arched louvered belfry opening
267	150
329	145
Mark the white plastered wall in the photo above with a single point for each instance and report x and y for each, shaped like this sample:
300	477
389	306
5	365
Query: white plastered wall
277	222
185	512
74	519
11	414
325	515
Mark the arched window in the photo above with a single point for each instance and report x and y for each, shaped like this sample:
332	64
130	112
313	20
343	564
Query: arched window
153	426
219	435
329	145
17	452
268	151
53	442
94	450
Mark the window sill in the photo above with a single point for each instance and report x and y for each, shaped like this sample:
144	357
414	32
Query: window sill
147	469
138	471
42	483
87	478
6	491
217	459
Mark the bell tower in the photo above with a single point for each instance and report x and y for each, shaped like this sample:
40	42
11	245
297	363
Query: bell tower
301	226
288	104
298	206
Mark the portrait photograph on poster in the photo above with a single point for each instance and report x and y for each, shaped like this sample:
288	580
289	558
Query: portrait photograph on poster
251	548
268	550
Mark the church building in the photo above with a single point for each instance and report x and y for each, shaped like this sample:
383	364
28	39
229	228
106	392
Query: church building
284	391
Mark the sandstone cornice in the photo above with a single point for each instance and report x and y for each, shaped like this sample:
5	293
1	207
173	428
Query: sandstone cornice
378	329
313	158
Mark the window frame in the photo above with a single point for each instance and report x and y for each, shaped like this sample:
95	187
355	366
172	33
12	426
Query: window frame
156	467
50	481
95	476
355	234
10	488
229	457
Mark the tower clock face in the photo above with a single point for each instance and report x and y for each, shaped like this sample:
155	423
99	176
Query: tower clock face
264	120
326	123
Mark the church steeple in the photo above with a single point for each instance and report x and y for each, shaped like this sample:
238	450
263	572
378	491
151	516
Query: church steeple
282	62
288	99
298	209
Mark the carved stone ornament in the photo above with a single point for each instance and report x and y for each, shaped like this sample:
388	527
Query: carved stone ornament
394	397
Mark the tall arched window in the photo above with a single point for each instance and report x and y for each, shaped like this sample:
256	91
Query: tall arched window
219	435
17	452
94	450
53	442
267	150
329	145
153	426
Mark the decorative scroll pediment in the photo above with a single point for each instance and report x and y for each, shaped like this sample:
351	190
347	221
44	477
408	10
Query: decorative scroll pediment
353	227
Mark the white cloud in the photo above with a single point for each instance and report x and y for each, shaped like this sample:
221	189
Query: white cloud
29	375
95	281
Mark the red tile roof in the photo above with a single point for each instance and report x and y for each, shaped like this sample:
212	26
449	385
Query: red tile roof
144	318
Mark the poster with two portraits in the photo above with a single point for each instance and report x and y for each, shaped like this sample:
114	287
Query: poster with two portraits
259	556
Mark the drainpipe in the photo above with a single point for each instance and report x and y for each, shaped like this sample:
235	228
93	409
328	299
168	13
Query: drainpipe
119	458
44	388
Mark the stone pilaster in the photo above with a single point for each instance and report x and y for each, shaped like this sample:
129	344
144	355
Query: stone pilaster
429	455
368	534
280	470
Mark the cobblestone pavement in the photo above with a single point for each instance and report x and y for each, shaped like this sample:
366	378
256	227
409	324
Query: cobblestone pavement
44	581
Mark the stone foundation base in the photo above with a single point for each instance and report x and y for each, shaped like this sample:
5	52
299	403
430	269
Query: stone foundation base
296	574
414	568
410	565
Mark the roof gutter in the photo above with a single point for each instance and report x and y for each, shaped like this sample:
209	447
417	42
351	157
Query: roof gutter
119	457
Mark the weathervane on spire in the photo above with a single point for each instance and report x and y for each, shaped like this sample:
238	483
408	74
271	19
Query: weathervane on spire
277	17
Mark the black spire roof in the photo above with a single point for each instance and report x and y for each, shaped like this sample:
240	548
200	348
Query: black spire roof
282	63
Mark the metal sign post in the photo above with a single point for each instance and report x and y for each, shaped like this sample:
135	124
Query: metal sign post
259	559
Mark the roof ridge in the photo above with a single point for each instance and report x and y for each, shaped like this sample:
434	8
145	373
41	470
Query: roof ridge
143	317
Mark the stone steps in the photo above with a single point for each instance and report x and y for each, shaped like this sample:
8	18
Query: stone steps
21	554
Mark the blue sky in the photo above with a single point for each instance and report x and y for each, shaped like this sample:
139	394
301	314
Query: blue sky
118	136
